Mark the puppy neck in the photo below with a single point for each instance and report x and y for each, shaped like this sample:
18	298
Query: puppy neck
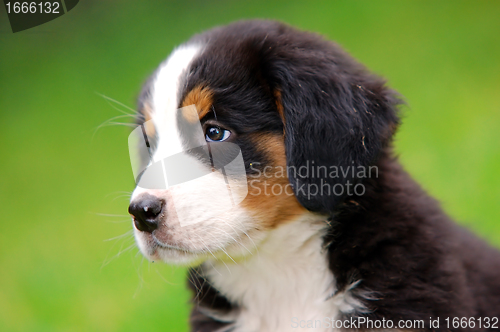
286	281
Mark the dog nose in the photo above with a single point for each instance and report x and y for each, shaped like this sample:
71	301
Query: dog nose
146	211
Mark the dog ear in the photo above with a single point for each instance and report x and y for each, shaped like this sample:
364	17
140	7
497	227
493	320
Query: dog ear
337	118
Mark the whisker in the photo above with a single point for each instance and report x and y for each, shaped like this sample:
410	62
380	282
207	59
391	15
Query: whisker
198	289
112	215
117	102
125	114
236	241
120	236
124	196
109	124
227	267
141	279
206	247
119	192
119	195
111	218
120	252
221	248
112	121
213	267
257	252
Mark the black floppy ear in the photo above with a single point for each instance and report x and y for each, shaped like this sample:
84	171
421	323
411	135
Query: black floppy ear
337	118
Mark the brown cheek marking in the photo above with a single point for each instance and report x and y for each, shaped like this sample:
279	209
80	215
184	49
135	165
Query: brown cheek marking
148	115
202	98
280	206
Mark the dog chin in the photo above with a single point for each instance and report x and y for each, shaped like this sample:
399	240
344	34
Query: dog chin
177	257
153	250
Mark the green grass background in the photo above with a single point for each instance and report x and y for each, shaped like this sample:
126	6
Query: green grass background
59	175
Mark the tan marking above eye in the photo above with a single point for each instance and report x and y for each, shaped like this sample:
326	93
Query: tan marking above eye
148	115
187	114
202	98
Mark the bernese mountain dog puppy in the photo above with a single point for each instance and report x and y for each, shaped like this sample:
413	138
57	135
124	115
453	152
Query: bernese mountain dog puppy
331	233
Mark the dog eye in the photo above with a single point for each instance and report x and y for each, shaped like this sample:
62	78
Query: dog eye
216	134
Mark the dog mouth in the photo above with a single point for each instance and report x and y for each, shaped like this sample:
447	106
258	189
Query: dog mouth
184	249
159	244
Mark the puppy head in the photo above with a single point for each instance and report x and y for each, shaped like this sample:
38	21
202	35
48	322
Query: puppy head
294	105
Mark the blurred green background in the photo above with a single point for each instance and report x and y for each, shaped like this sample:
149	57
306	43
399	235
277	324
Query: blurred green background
64	182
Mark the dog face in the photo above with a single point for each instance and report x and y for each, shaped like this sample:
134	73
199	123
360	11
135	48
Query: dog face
287	99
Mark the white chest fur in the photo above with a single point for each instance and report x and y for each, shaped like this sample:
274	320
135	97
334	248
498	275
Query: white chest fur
286	284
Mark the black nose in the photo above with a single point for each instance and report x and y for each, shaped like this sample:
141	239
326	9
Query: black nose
146	211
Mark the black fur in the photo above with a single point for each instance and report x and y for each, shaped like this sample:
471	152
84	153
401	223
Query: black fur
412	260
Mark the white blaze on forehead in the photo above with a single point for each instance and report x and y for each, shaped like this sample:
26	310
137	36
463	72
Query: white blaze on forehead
165	101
